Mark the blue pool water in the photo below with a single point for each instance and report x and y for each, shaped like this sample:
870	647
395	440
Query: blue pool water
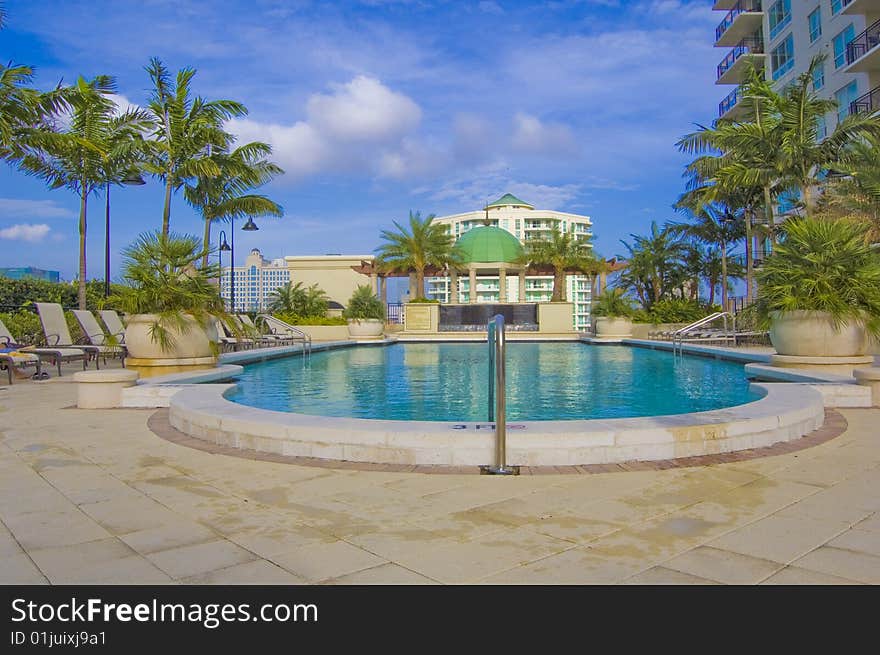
447	382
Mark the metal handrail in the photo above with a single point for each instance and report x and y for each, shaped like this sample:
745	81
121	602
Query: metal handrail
679	335
295	332
863	43
498	395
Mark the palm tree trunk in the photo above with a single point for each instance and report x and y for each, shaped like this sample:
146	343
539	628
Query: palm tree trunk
166	214
420	283
749	263
81	287
558	286
206	242
712	292
768	205
723	275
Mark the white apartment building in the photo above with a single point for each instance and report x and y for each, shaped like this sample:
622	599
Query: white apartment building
254	282
782	36
524	222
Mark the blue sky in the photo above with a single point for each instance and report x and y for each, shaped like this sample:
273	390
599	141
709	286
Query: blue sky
379	107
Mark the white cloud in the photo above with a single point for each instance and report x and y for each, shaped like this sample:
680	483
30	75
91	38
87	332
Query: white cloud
16	208
299	148
532	136
25	232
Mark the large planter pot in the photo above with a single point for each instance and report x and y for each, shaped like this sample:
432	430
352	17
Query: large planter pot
613	327
812	334
193	349
366	328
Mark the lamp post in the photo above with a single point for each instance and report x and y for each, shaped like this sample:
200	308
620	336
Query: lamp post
250	226
131	179
224	247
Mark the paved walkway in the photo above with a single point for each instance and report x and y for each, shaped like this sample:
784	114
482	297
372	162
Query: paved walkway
93	496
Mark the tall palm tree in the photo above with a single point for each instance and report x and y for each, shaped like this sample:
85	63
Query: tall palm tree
225	196
655	264
564	252
76	156
296	299
412	250
186	129
714	224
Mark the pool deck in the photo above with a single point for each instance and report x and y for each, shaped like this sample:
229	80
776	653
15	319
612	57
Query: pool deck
95	496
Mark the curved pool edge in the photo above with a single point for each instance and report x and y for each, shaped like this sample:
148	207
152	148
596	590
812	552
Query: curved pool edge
786	412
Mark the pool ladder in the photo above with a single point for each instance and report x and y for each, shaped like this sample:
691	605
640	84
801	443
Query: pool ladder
497	377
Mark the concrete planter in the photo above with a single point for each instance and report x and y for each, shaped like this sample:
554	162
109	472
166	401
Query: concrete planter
366	328
192	350
613	327
812	334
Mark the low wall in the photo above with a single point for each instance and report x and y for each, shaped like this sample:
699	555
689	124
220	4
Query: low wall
641	330
325	332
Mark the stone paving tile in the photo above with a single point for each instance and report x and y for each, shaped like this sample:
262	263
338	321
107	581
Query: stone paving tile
842	563
861	541
827	504
659	575
382	574
17	568
780	538
872	523
280	537
575	566
187	561
100	561
316	562
793	575
167	536
723	566
131	514
256	572
54	528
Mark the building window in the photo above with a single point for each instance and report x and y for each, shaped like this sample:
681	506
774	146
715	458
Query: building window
780	16
840	42
835	7
845	97
821	128
815	20
782	57
819	77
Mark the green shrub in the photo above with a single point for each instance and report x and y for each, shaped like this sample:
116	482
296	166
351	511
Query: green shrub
18	293
424	301
24	326
295	319
822	265
364	304
675	310
613	304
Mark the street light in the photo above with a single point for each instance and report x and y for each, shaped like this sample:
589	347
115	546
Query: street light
131	179
250	226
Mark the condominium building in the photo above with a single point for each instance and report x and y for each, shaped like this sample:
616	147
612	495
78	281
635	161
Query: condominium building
492	258
30	272
781	37
254	282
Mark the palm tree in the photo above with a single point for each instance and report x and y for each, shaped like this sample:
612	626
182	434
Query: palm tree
655	264
424	244
294	299
225	196
76	157
186	129
853	192
714	224
564	252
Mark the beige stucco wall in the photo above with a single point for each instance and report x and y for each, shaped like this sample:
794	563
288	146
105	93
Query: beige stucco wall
422	317
555	317
325	332
332	273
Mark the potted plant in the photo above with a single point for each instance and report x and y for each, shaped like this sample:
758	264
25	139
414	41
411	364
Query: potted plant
172	304
819	291
614	312
365	314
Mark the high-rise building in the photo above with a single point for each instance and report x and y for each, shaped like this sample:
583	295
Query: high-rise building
781	37
487	281
254	282
30	272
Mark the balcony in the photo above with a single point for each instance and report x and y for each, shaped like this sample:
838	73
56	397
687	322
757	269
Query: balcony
861	7
732	69
866	104
743	20
862	53
723	4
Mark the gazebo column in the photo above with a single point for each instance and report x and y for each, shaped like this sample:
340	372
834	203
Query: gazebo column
453	286
472	277
522	285
384	286
374	283
502	284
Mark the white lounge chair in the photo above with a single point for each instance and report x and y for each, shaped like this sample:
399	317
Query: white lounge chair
57	355
114	324
95	335
57	333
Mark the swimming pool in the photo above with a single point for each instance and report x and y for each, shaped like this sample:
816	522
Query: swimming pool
448	382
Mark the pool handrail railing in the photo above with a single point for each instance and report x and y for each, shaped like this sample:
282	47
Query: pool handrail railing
294	333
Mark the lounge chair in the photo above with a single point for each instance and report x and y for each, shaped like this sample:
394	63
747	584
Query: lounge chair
279	328
57	355
254	332
57	333
228	339
95	335
114	324
11	358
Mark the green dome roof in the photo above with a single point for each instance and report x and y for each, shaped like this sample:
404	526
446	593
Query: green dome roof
488	244
507	200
